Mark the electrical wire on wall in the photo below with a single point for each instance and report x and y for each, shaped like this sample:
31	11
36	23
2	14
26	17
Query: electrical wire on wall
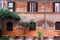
44	16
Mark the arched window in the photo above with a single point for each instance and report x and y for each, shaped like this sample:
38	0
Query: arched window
9	26
32	26
57	25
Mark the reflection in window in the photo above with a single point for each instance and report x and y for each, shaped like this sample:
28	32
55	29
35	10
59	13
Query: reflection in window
32	7
57	7
10	5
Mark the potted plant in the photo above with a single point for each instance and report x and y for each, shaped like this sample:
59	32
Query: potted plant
6	37
5	13
39	35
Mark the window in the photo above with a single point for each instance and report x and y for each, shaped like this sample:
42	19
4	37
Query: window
56	7
57	25
9	26
11	6
32	26
32	7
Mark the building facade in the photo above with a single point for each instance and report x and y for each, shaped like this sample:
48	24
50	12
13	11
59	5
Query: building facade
46	14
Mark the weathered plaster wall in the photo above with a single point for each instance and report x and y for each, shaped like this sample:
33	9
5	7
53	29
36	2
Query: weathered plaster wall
21	9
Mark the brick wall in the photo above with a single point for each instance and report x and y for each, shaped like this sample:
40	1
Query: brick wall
21	9
47	7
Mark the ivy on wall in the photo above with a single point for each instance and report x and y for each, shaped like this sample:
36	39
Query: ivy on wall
5	13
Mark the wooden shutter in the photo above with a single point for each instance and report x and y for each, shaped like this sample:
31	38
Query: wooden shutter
28	6
53	6
36	7
14	6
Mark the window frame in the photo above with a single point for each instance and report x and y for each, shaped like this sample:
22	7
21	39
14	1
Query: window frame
54	6
28	6
13	8
32	26
9	27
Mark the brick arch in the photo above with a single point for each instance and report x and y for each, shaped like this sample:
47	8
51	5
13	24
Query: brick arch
9	26
57	25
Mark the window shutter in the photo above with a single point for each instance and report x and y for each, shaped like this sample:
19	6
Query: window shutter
9	26
53	7
28	6
14	6
36	7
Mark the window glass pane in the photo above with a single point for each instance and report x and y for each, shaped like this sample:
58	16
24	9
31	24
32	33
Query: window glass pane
10	5
32	7
57	6
11	10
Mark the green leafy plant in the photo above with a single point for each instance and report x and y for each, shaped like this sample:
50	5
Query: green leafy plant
6	37
39	35
5	13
